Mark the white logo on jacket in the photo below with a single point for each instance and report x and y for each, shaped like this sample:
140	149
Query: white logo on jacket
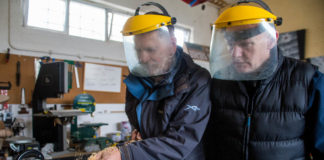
194	108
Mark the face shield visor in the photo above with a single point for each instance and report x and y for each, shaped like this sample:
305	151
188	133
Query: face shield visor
244	52
151	53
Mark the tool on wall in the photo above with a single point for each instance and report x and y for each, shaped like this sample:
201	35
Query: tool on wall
23	106
70	72
45	59
18	73
76	77
8	55
5	87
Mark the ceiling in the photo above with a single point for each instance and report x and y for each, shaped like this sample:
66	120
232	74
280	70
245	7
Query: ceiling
222	3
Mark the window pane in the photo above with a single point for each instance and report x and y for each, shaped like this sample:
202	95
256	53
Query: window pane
87	21
182	35
49	14
117	25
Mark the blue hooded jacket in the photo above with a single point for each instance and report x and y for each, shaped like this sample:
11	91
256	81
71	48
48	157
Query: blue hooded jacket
171	116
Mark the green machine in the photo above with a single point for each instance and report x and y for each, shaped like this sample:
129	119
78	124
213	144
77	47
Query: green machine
86	134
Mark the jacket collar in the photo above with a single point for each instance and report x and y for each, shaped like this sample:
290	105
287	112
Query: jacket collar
280	62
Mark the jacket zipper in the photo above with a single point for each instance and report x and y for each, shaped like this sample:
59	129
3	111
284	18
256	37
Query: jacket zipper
247	137
248	123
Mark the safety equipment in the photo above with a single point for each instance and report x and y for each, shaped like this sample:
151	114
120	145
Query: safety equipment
139	24
145	23
243	44
143	54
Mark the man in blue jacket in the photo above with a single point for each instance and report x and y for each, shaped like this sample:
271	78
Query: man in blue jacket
265	106
167	99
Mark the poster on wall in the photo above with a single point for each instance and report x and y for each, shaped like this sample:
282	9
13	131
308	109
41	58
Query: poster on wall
317	61
293	44
196	51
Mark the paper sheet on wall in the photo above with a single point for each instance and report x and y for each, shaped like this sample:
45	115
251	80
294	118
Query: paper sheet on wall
102	78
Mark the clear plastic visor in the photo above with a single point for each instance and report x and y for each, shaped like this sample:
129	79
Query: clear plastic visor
246	52
150	54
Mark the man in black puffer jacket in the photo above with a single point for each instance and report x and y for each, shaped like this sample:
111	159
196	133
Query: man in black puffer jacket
265	106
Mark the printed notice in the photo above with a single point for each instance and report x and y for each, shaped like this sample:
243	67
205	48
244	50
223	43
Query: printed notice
102	78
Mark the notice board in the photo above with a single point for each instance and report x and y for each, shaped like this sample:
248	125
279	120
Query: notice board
101	78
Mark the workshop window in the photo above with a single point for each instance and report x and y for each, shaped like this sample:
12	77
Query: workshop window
78	18
87	21
116	23
48	14
182	34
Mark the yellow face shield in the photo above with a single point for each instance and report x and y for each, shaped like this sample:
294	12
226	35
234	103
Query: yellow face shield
145	23
151	53
243	15
149	43
243	44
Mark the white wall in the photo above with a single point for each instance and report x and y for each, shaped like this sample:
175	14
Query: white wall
24	39
300	14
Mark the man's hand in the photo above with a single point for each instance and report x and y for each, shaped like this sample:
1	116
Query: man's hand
110	153
136	136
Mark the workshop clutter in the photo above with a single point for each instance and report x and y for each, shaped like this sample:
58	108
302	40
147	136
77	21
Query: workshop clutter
49	100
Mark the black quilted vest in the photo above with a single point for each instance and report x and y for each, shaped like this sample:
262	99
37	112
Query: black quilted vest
268	124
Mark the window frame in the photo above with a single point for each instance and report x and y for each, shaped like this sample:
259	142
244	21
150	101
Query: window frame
113	12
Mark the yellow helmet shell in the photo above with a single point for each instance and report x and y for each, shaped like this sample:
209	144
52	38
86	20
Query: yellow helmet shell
145	23
243	15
